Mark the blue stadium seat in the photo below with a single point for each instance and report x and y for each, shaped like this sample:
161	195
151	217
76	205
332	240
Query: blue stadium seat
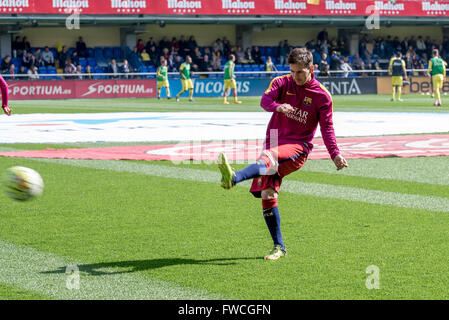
91	61
108	53
118	53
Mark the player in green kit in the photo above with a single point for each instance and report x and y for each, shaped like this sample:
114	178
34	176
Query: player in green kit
437	67
229	80
187	84
162	79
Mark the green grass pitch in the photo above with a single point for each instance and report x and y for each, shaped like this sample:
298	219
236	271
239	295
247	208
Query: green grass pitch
132	224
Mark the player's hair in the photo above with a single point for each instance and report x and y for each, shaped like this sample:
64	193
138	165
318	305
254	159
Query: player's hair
300	56
435	52
399	54
230	56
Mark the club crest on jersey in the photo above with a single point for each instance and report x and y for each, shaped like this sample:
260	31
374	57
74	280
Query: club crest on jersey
307	101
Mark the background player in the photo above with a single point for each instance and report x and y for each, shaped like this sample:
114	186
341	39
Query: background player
229	80
187	84
397	69
4	90
437	68
162	79
298	103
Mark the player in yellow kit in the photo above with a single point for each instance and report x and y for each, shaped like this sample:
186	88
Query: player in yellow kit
229	80
187	84
437	68
399	73
162	79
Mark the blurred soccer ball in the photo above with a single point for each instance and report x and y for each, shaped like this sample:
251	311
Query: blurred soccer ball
22	183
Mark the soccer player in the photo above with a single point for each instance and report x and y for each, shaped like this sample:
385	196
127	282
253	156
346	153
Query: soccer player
4	90
229	80
162	79
397	69
298	103
437	67
187	84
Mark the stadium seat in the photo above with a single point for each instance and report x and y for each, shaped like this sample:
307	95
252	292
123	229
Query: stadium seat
108	53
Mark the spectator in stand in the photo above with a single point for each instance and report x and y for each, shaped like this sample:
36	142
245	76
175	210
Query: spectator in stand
69	69
63	56
113	69
17	48
420	46
191	44
140	46
342	45
183	47
126	69
217	53
311	45
32	73
6	64
404	45
269	65
216	62
218	45
81	48
174	45
412	42
164	43
26	45
324	72
75	58
408	62
324	48
207	53
226	47
153	56
205	64
145	57
282	53
27	60
22	72
239	55
38	54
197	57
345	67
48	57
12	72
257	55
150	44
79	72
88	73
248	56
177	64
165	54
323	35
358	63
323	62
335	63
170	63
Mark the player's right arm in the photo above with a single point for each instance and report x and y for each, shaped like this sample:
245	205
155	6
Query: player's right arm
272	95
4	90
390	67
181	67
429	68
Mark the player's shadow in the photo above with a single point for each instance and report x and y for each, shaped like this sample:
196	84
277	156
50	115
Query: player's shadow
120	267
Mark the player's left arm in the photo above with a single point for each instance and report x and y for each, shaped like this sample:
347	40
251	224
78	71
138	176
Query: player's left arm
404	70
328	134
4	90
429	68
444	69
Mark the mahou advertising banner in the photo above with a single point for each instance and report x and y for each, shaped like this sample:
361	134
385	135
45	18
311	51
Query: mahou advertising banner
229	7
81	89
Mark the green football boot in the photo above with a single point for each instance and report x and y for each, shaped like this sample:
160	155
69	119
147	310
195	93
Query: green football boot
276	253
227	174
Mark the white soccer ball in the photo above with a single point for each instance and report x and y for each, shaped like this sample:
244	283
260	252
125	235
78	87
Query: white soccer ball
23	183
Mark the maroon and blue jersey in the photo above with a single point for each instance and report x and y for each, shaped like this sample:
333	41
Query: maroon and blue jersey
313	106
